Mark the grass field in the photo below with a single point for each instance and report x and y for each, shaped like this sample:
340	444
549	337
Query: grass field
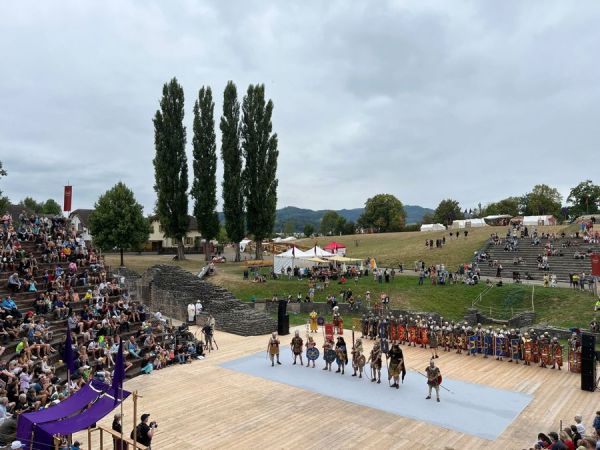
394	248
558	306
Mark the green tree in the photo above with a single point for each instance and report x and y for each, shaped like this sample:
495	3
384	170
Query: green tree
289	228
231	153
51	206
447	211
309	230
329	223
348	228
509	205
31	204
585	198
384	212
427	218
118	221
170	165
259	145
204	187
542	200
4	202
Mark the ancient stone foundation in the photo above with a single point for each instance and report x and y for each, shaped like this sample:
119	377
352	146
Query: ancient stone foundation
169	289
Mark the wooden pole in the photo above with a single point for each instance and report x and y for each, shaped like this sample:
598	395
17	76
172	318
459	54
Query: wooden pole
89	437
134	419
122	419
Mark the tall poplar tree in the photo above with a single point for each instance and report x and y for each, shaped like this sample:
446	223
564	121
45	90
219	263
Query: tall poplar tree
231	153
259	146
204	187
170	165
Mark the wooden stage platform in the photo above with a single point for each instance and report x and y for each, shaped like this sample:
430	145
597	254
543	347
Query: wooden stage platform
201	405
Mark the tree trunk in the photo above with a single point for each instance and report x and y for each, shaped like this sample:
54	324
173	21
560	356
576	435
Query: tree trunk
180	250
238	257
259	249
122	263
207	250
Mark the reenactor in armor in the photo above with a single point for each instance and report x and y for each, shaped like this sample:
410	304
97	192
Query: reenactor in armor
556	353
357	358
373	327
471	340
383	328
575	353
479	332
535	346
396	365
364	326
527	344
327	345
459	338
488	343
544	346
424	332
433	340
402	329
393	329
375	362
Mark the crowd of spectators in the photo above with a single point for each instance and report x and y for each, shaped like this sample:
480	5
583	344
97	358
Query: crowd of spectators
51	281
574	437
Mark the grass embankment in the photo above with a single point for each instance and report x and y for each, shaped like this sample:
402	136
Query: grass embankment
394	248
561	307
556	306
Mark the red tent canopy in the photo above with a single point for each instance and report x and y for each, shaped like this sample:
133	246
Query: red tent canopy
333	246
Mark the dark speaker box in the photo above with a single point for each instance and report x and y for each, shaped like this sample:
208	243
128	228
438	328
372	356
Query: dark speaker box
283	325
588	341
282	308
588	374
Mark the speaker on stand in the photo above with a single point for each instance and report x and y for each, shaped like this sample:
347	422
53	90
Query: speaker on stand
588	362
283	320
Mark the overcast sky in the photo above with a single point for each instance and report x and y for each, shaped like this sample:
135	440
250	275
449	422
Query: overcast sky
424	100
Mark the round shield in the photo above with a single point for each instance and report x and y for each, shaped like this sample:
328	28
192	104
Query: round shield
330	355
312	353
361	361
439	379
320	320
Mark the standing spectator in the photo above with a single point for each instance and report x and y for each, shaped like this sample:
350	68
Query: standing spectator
557	444
580	426
596	424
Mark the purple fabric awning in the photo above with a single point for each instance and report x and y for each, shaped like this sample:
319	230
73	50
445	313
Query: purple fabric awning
71	405
104	405
84	405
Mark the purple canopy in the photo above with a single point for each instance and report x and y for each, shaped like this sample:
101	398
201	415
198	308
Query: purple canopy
104	405
72	406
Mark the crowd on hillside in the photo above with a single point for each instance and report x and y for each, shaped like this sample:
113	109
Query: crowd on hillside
574	437
51	281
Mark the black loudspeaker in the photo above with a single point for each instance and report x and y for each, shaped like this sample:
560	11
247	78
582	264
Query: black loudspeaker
588	362
588	346
282	308
283	320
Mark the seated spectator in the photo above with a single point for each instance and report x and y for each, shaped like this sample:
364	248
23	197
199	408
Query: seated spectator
14	283
133	348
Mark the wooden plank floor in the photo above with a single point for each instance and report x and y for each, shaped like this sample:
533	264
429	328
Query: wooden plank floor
201	405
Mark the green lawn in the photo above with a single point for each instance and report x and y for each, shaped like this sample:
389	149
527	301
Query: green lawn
556	306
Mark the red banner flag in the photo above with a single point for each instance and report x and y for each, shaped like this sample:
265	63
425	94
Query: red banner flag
68	198
596	264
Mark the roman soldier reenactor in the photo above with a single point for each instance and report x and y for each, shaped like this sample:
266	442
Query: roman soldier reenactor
273	349
357	358
527	349
375	362
393	329
373	322
544	346
310	343
337	321
434	379
296	345
575	353
458	339
327	345
556	353
341	354
433	340
396	359
364	326
314	325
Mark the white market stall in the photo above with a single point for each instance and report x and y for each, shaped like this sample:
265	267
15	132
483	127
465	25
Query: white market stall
432	227
294	257
539	220
468	223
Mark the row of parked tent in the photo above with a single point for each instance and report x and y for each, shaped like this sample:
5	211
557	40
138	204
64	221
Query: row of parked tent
495	220
295	257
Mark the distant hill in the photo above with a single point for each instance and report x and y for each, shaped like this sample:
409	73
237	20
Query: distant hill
301	216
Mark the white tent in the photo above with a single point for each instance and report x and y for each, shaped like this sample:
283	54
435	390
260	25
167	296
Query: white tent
318	252
468	223
243	244
539	220
278	240
432	227
294	257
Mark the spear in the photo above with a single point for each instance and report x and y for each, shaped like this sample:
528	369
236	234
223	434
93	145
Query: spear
422	374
